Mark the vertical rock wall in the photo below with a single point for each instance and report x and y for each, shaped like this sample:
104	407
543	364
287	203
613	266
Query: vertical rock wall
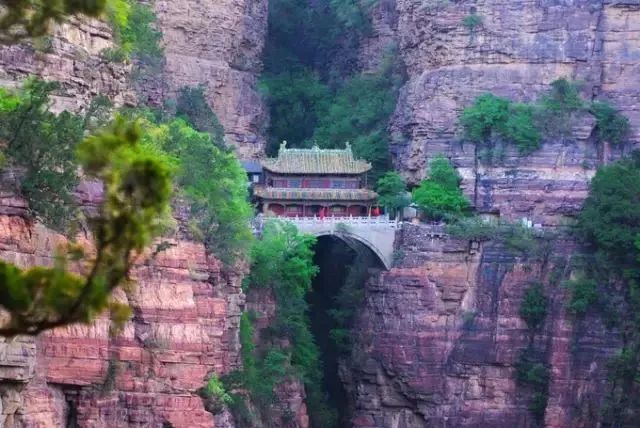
439	336
519	49
218	43
186	314
72	57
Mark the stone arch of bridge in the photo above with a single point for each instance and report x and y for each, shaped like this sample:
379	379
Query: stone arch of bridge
349	237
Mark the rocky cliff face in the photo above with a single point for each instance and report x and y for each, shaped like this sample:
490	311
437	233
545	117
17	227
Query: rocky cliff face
71	56
520	47
219	44
186	314
439	337
440	333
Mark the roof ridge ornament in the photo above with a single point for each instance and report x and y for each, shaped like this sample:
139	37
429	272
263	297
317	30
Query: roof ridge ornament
283	146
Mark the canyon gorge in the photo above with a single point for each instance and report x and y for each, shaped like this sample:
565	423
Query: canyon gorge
436	340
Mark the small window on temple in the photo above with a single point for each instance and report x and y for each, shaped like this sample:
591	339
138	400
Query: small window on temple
315	184
256	178
338	209
295	183
293	209
338	184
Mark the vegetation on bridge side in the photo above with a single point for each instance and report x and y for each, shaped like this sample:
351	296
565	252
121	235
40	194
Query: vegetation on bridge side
282	263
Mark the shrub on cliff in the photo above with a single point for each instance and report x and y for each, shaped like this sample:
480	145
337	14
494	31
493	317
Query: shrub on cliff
193	107
42	145
609	224
137	189
282	261
392	192
491	119
213	181
440	196
533	308
491	116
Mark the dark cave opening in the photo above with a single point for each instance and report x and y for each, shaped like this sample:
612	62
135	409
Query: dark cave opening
338	290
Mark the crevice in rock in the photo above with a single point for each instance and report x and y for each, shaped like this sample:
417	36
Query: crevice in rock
337	295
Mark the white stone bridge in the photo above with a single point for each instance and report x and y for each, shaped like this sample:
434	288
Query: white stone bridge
377	233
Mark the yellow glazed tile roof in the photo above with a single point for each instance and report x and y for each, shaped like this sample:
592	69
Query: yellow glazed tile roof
315	161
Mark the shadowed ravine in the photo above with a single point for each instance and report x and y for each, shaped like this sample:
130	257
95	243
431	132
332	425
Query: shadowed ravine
344	269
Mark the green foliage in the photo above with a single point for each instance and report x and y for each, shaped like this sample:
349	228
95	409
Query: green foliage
535	375
610	227
533	308
610	219
133	23
137	186
490	117
473	229
472	21
296	101
352	14
21	19
213	181
308	82
392	191
487	113
192	106
611	126
584	294
282	261
359	113
42	144
349	298
215	395
440	196
557	107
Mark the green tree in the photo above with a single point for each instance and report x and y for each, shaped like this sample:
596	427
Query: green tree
42	145
282	262
297	101
490	117
533	308
214	182
392	192
137	185
359	113
611	126
193	107
610	227
440	196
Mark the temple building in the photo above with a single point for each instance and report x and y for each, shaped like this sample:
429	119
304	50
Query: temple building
315	182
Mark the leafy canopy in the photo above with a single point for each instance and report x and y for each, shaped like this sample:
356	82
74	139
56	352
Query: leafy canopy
213	181
137	186
491	118
440	196
42	145
392	191
282	262
193	107
610	227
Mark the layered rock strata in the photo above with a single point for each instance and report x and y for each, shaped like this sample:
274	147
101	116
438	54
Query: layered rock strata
218	44
72	56
186	312
518	48
440	335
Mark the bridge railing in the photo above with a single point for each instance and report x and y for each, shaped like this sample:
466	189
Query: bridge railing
302	222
